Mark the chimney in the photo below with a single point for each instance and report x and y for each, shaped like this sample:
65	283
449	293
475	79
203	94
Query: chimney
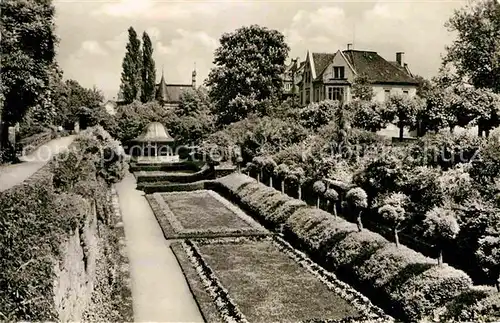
400	58
193	78
349	46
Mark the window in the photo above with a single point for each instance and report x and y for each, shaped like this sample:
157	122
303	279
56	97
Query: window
317	95
338	72
308	96
336	93
405	92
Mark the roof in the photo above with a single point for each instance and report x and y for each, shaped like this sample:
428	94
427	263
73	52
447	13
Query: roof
154	132
161	89
171	93
321	61
377	68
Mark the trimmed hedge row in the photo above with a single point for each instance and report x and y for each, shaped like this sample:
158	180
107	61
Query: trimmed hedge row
404	282
205	173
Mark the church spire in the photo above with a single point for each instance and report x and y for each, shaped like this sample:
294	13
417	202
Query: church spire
161	94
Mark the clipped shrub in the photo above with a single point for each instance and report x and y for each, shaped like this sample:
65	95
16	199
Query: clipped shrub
423	293
300	225
234	182
476	304
284	211
357	200
355	248
387	263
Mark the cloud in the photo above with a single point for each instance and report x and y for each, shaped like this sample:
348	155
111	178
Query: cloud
93	47
188	41
125	8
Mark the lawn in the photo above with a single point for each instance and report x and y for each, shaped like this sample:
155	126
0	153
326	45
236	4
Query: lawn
264	283
201	213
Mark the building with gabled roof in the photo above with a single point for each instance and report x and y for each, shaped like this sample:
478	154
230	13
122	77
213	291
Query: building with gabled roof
329	76
292	77
170	94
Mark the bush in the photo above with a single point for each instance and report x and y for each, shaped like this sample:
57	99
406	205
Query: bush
355	248
476	304
35	221
423	293
387	263
301	224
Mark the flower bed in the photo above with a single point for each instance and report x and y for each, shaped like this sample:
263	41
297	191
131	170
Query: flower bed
200	213
285	285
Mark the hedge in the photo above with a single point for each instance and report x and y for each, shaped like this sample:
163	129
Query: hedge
403	281
37	216
29	144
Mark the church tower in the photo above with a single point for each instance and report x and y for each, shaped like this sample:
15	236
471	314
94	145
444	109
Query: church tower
193	77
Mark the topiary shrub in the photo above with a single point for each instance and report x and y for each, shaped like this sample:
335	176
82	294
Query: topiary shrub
423	293
301	224
332	198
281	214
355	248
386	263
357	199
476	304
442	226
319	188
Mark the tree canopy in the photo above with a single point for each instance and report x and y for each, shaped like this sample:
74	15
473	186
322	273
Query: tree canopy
248	68
476	51
28	47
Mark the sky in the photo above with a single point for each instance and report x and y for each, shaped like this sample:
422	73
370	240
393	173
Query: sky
93	34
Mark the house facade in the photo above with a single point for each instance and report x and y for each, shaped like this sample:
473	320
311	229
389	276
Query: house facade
329	76
292	77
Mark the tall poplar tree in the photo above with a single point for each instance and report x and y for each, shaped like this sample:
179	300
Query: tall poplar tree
132	66
148	70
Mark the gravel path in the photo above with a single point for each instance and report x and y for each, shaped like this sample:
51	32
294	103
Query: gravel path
12	175
159	290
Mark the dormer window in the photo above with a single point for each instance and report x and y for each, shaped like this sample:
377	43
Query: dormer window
338	72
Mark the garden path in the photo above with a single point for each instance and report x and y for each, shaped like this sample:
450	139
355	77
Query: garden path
159	290
14	174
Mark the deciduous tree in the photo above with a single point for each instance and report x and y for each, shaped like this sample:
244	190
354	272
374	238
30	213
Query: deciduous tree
476	51
366	115
28	45
248	68
362	88
402	111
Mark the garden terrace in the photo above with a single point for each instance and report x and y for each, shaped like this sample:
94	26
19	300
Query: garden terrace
200	214
405	283
265	280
